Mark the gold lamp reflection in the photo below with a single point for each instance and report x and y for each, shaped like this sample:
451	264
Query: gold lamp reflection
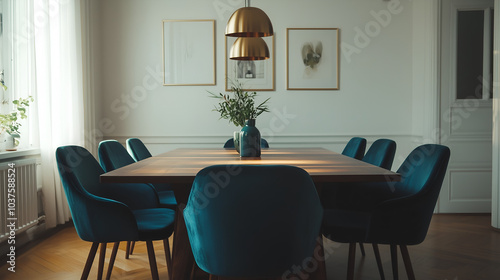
249	48
249	22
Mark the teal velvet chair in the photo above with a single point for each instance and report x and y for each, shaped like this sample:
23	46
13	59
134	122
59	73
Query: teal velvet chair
104	213
137	149
361	196
252	221
355	148
112	155
381	153
400	212
230	143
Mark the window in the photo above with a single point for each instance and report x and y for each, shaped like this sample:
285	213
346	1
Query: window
16	60
475	54
5	55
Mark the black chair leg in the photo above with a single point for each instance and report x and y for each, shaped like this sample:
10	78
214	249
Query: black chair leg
407	262
394	259
132	245
102	256
352	260
152	260
379	261
90	260
112	260
362	249
127	250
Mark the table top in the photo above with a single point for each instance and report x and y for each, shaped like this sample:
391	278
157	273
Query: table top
182	165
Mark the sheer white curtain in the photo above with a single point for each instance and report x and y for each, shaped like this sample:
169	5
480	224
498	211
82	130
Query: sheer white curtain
59	93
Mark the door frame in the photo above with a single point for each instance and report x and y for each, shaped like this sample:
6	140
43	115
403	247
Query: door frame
430	11
495	199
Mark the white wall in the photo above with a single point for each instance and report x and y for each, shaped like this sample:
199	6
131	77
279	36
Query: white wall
376	85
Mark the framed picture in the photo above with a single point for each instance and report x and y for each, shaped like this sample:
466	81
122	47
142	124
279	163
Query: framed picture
312	58
188	52
254	75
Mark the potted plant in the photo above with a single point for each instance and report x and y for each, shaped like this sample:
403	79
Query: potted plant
239	107
10	122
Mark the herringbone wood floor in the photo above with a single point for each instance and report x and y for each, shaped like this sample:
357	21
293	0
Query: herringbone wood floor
457	247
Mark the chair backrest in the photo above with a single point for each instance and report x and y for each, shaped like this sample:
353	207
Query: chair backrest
252	221
263	143
355	148
137	149
424	169
381	153
96	219
405	219
230	143
112	155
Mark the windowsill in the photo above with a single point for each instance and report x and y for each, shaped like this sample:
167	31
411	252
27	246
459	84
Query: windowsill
19	153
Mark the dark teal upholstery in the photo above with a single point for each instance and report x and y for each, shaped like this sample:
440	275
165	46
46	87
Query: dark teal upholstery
355	148
405	219
381	153
360	195
104	213
400	212
252	221
112	155
81	167
230	143
137	149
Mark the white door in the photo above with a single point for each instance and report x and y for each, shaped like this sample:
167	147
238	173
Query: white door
466	107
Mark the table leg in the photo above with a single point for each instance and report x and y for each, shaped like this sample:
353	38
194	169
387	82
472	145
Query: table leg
182	256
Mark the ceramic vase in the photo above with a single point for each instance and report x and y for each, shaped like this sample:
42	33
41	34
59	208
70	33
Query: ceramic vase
249	140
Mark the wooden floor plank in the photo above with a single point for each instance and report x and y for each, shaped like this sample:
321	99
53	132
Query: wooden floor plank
458	247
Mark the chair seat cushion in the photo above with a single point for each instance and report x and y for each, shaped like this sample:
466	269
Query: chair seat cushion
167	199
345	226
359	196
155	223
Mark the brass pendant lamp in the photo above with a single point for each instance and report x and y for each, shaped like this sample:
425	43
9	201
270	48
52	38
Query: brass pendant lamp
249	48
249	24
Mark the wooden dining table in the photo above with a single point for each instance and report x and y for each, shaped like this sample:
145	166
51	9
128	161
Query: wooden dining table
180	166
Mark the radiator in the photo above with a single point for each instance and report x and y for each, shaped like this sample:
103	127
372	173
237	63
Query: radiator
26	203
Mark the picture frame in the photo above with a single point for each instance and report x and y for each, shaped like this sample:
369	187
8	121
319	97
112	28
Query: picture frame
261	73
188	52
313	58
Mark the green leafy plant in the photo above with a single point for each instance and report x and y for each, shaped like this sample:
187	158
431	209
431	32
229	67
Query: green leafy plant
10	122
239	106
